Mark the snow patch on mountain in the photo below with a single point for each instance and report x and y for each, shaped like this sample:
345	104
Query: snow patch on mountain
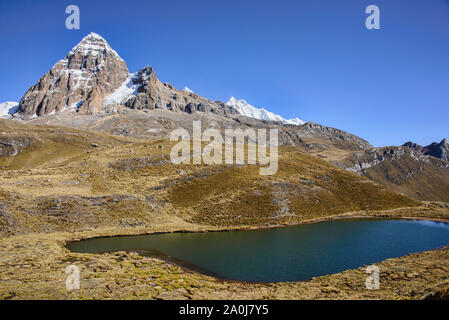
187	89
8	108
247	110
123	93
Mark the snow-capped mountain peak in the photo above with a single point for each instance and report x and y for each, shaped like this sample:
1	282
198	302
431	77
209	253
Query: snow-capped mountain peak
8	108
247	110
93	44
88	73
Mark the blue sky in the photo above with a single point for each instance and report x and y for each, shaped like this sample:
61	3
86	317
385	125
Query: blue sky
309	59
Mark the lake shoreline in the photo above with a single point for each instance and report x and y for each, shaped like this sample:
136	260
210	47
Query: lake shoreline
205	228
39	261
193	268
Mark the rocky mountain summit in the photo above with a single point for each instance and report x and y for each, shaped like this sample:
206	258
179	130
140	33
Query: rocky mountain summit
438	150
90	71
148	93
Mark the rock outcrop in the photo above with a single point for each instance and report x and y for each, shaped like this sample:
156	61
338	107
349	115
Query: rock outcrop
11	146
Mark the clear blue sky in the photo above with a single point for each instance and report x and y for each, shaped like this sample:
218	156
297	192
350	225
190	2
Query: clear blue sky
308	58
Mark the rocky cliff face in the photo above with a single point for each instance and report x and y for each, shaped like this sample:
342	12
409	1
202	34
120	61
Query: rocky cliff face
81	80
438	150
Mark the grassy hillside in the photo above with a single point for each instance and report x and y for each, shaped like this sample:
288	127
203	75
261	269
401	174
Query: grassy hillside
67	180
304	187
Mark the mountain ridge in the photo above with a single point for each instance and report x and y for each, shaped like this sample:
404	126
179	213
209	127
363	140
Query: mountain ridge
438	150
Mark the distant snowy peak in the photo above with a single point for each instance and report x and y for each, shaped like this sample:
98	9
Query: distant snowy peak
247	110
8	108
296	121
187	89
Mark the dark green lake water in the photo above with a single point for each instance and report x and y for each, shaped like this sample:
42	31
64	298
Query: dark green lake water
289	253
